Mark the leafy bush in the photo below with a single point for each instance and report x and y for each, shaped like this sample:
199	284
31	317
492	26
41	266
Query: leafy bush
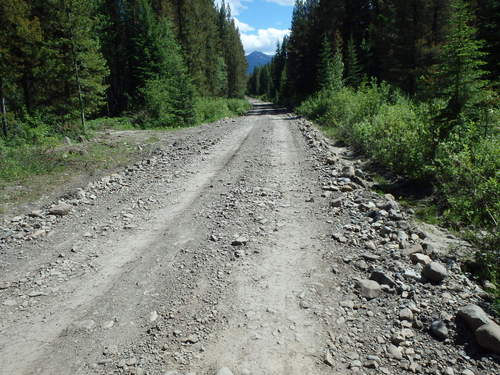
213	109
467	170
399	135
397	138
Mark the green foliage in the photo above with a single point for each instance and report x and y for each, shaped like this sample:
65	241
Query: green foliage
213	109
331	68
353	67
381	123
466	169
397	138
397	134
460	73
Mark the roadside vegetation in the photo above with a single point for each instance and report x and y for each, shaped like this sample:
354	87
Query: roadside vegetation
421	102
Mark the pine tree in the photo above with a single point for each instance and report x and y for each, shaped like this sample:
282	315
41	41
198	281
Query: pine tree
461	68
162	85
331	69
353	68
265	81
71	80
326	68
20	33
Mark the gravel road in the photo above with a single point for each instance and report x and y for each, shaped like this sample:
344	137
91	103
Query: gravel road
235	247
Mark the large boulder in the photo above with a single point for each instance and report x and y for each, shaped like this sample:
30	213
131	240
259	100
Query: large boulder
488	337
473	316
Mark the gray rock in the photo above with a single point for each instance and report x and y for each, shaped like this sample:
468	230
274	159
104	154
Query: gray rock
153	316
488	336
240	241
474	316
36	213
382	278
412	250
488	285
467	372
337	202
419	258
329	359
224	371
406	314
439	330
394	352
60	209
435	272
369	289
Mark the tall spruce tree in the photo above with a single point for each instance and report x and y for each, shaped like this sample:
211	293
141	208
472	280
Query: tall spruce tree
326	67
19	33
461	71
163	87
353	67
72	76
331	68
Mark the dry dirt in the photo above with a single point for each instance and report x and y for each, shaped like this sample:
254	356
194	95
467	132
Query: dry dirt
225	248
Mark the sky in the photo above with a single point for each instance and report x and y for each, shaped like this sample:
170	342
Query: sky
262	23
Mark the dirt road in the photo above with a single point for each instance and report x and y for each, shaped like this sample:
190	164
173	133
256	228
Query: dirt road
225	248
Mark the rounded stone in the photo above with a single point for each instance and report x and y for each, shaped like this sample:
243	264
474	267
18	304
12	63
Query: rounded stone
435	272
488	337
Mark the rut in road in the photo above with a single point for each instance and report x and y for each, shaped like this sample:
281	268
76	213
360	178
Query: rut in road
173	292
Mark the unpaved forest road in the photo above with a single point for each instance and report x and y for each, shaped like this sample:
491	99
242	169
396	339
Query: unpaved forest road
216	251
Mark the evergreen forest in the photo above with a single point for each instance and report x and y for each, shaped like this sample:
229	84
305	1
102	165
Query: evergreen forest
162	63
413	85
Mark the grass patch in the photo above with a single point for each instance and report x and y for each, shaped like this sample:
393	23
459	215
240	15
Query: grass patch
28	173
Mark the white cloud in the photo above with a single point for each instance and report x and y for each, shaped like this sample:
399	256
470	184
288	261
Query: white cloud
264	40
282	2
242	26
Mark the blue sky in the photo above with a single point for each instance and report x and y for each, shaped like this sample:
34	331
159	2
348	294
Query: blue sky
261	22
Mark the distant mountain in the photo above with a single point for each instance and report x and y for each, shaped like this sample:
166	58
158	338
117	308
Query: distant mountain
256	59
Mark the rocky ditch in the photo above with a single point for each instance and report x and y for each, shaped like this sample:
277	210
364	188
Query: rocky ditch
409	307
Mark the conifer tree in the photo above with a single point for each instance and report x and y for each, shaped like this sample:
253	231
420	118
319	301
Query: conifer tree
265	81
461	74
20	34
71	79
159	71
326	68
353	68
331	69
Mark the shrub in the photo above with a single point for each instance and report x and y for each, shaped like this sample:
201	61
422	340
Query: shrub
467	170
397	138
213	109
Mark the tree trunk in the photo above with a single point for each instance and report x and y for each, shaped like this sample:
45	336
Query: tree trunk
77	72
4	111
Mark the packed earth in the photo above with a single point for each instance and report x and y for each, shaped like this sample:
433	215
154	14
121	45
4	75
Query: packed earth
249	246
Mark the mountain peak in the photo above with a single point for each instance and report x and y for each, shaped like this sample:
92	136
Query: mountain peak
256	59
